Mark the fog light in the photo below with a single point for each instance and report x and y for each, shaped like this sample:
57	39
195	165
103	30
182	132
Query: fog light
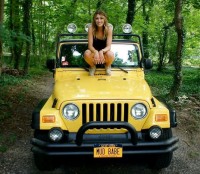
110	25
55	134
72	28
155	132
127	28
87	27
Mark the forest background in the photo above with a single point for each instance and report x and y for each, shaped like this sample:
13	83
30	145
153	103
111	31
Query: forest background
170	31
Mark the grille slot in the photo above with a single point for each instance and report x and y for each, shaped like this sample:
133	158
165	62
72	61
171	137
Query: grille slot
104	112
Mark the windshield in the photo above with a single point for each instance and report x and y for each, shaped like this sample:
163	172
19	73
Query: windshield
71	54
125	54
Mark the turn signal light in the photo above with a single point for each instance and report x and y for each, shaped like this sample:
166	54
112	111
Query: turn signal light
161	117
48	119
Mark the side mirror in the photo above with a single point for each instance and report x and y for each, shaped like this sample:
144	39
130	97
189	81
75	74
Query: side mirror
51	64
148	63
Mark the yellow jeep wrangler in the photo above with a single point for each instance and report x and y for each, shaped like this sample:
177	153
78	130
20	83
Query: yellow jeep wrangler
102	116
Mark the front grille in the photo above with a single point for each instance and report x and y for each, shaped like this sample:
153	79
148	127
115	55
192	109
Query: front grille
104	112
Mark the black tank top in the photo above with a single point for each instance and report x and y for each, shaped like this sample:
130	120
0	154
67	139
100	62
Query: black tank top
99	44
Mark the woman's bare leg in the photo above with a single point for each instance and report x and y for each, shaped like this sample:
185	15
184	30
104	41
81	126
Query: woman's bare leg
89	58
109	58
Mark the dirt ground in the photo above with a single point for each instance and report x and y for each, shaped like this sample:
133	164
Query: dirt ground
18	159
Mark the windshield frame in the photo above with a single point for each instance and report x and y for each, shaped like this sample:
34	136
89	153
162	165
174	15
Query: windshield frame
85	41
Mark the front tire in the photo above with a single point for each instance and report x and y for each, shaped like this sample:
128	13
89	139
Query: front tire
45	163
162	160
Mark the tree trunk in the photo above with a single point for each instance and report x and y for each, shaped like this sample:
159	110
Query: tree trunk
27	31
145	34
33	38
99	4
17	48
172	54
1	29
180	45
10	3
162	50
130	14
162	46
131	11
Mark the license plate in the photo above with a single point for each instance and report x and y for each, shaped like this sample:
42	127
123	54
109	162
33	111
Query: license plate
108	151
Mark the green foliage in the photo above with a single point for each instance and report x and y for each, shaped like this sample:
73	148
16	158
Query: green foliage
37	62
6	141
5	107
13	93
192	28
52	17
6	101
160	82
49	18
6	80
191	80
37	72
191	62
5	36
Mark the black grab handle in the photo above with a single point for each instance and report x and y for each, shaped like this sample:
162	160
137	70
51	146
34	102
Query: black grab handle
112	124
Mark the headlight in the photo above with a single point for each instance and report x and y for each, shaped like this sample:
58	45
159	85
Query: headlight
139	111
155	132
70	111
55	134
110	25
127	28
71	28
87	27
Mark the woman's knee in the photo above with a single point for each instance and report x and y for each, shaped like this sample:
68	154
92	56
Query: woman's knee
110	55
87	54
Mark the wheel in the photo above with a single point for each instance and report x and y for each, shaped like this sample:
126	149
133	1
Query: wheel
41	135
162	160
167	133
45	163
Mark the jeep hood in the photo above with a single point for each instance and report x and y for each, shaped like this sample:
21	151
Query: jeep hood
115	88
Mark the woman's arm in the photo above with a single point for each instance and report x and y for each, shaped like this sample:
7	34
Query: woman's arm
90	46
90	40
108	46
109	41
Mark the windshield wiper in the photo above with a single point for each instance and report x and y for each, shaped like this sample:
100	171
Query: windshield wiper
84	67
87	69
122	69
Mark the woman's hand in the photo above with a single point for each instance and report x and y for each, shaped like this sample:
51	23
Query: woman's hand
96	57
101	57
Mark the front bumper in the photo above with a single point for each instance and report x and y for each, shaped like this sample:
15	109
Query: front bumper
87	148
132	143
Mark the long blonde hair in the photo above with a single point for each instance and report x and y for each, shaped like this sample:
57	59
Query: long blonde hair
105	27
